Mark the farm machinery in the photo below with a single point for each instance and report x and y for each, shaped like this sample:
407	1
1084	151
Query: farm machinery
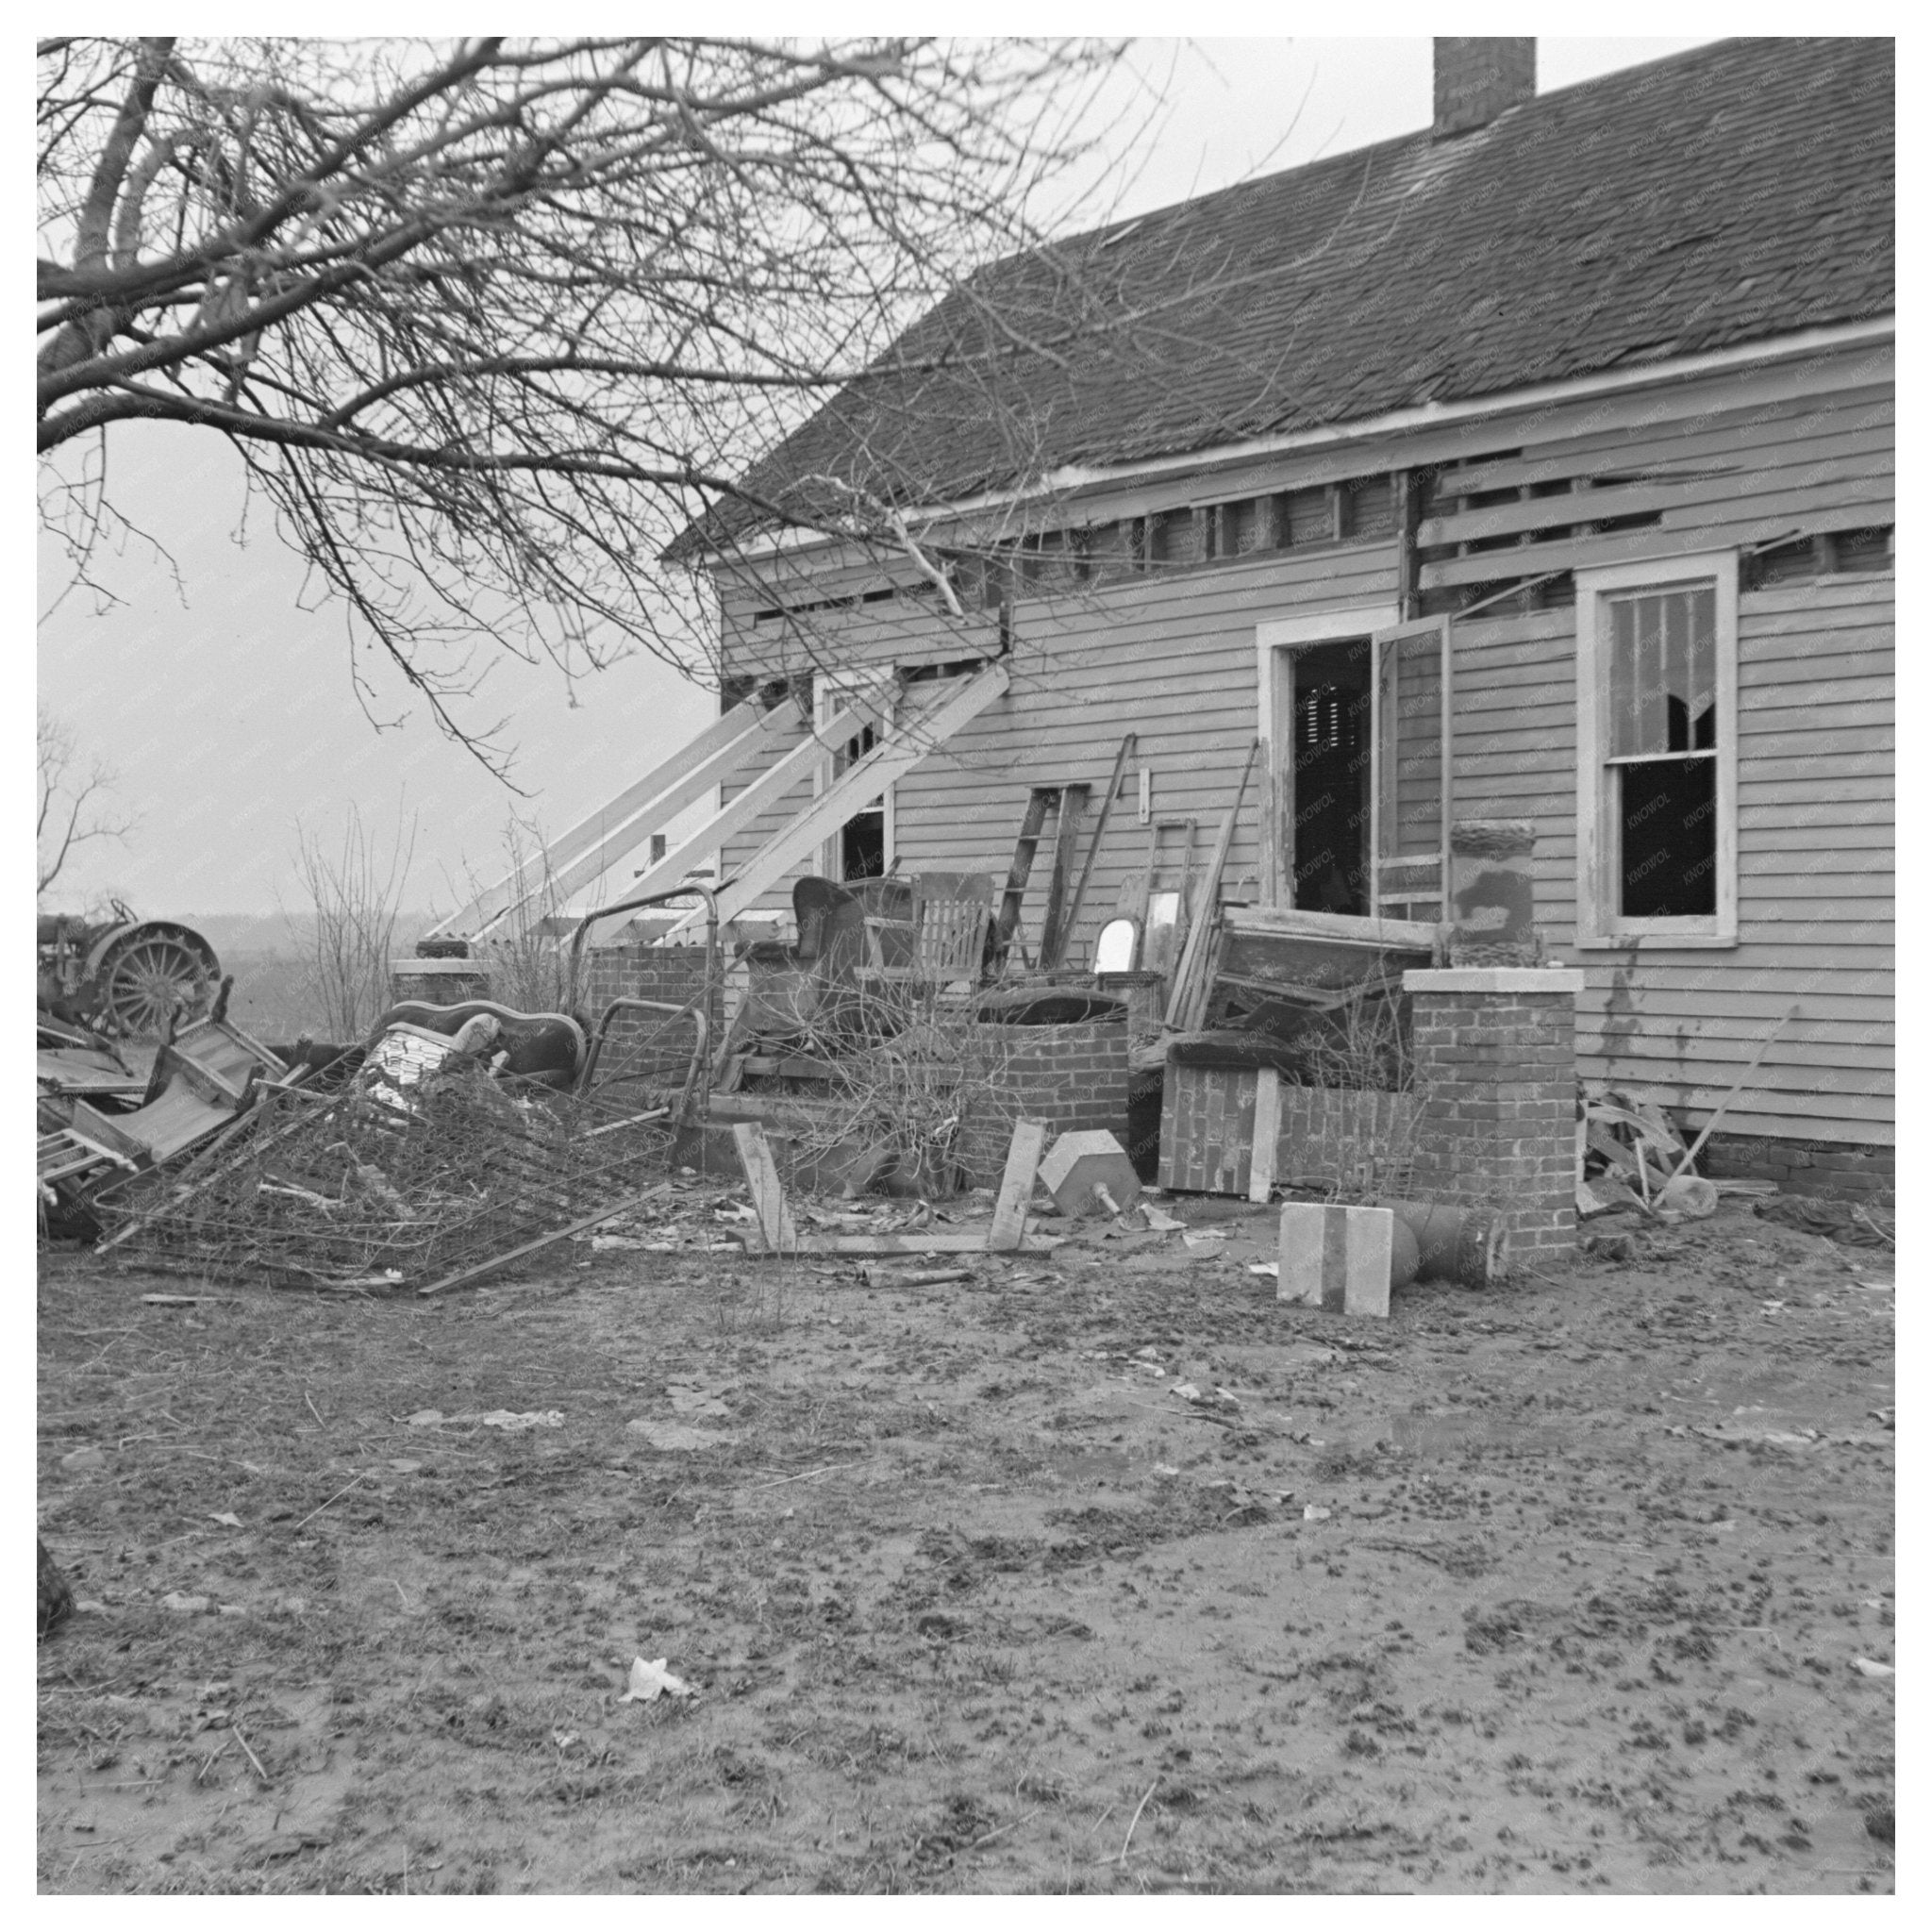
125	977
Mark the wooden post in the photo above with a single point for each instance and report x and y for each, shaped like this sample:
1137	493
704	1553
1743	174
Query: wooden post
1267	1131
775	1227
1016	1185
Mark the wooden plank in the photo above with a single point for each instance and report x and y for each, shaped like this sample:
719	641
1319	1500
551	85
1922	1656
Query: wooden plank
1193	961
1709	484
1113	786
1267	1133
883	1244
1066	832
581	856
1809	512
741	810
778	1233
1705	438
1335	1259
902	746
1016	1185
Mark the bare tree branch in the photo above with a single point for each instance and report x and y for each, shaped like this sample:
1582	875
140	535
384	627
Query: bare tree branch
495	321
71	805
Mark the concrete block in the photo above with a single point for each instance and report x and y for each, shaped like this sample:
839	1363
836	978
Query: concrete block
1077	1164
1337	1259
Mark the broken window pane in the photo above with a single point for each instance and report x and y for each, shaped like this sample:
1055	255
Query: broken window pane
1663	738
1663	671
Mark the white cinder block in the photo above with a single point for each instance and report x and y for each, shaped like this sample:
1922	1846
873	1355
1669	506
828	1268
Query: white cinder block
1335	1257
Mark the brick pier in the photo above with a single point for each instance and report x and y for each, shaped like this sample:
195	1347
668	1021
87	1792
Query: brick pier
1495	1072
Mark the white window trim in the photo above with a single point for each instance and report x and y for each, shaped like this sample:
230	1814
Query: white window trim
1599	927
829	690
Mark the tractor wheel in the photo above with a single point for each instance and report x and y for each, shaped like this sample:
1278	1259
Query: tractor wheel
150	976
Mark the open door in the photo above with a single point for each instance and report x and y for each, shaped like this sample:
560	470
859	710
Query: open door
1412	789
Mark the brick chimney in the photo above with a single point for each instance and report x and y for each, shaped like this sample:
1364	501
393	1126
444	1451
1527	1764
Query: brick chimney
1478	80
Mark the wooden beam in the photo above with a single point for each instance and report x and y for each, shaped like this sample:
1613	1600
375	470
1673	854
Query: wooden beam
1066	831
590	847
763	793
903	744
1016	1185
777	1234
1072	916
1267	1132
1193	963
1702	528
878	1245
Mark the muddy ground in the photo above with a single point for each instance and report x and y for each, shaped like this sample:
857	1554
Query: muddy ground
1557	1588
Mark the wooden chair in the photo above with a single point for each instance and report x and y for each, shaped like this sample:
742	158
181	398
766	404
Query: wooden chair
951	913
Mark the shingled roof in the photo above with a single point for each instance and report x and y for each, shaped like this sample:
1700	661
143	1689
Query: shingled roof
1731	194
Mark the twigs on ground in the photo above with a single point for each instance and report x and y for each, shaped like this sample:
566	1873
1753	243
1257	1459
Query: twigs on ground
336	1498
1121	1856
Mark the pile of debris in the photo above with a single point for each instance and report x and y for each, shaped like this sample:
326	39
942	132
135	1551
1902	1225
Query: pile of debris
455	1139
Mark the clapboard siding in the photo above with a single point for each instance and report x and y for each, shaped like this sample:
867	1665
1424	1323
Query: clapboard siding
1171	657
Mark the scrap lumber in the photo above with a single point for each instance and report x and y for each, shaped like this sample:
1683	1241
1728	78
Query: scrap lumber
778	1232
588	850
1692	1151
1079	891
1267	1132
903	744
1190	979
877	1246
464	1276
1016	1185
1054	925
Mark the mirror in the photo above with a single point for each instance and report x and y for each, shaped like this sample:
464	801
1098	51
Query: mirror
1163	920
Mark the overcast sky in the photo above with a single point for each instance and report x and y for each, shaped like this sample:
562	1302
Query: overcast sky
225	704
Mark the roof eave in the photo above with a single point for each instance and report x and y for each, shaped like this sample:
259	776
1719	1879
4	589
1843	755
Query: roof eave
1089	479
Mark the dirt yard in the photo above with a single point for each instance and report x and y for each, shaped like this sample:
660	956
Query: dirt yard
1100	1572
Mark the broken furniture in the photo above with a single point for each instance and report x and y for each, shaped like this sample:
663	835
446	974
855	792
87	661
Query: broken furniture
544	1047
1088	1172
863	950
353	1191
199	1082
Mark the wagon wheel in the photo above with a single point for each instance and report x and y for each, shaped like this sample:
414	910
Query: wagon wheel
153	976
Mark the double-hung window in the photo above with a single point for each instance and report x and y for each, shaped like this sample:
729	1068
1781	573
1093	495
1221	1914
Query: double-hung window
1657	668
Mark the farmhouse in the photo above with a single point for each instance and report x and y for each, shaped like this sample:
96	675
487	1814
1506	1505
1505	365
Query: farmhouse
1536	467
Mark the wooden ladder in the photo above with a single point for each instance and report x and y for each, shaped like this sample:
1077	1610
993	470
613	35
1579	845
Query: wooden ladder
1071	800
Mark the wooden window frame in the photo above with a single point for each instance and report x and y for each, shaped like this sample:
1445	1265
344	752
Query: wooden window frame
1599	926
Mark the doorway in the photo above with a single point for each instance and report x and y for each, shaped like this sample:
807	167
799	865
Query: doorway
1327	767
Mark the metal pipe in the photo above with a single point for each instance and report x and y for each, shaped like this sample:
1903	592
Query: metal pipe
627	1001
580	939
